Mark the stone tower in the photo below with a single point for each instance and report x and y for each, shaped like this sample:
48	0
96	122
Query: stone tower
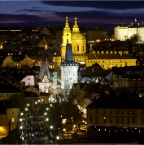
69	70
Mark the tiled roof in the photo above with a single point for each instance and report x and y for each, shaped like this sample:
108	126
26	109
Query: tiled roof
123	70
7	87
91	56
94	71
118	102
5	104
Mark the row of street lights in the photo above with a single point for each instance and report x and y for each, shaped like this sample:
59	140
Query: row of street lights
34	124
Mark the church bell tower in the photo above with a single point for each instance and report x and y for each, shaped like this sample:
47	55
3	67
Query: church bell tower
66	38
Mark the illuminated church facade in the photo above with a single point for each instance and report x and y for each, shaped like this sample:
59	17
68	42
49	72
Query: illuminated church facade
106	59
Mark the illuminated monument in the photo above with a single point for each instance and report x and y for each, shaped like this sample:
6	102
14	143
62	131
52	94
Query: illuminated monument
69	70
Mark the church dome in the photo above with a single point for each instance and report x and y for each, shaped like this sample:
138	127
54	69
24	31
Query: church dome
77	36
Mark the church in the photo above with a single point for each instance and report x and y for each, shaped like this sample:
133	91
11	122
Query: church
76	39
106	59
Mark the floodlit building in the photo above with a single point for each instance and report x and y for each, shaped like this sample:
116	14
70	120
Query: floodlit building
8	117
69	70
123	32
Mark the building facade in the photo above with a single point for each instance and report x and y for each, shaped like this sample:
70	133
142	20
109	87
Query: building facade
122	113
124	32
69	70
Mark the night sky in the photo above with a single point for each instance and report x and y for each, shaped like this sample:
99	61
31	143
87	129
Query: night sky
39	13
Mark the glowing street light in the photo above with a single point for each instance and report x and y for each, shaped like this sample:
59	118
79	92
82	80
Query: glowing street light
26	109
51	127
47	109
45	113
28	104
21	127
21	113
47	119
20	119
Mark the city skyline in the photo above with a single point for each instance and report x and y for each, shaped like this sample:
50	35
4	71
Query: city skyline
101	14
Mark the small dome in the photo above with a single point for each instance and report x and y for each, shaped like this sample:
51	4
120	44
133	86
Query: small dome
77	36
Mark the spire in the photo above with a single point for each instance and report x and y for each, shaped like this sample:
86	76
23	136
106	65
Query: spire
44	70
66	29
75	26
69	54
66	19
47	70
91	48
75	21
66	23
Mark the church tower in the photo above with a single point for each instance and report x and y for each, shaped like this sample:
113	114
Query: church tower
66	38
69	70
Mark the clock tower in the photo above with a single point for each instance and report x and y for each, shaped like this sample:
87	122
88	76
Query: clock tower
69	70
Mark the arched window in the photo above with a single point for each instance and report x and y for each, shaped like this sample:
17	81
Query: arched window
78	48
67	41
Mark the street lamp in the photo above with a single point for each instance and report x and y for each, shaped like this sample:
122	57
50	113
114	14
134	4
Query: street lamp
51	127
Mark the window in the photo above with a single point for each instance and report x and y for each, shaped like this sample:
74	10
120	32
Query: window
104	111
110	112
122	112
104	120
122	120
91	119
78	48
128	120
110	120
142	120
13	112
117	120
142	112
13	120
117	112
96	111
96	119
133	120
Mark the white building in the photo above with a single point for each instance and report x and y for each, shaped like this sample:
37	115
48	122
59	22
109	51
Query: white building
29	80
124	32
44	85
69	70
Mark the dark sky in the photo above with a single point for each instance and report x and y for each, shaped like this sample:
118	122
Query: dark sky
40	13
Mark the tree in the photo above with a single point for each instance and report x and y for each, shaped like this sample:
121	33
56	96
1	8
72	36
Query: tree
132	41
65	110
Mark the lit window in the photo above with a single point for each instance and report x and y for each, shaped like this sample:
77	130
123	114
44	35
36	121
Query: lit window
13	120
140	95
